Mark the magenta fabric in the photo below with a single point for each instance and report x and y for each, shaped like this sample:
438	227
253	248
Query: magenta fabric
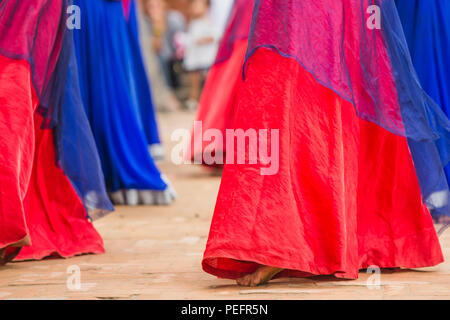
331	40
20	39
238	28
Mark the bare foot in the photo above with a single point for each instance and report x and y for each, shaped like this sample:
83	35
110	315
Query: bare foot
9	253
261	276
22	243
8	256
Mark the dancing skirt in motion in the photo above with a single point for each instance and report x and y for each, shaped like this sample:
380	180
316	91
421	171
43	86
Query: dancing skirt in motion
49	184
427	30
113	96
216	106
345	189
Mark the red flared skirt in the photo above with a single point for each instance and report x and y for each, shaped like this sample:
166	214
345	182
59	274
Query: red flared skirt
215	109
345	197
37	201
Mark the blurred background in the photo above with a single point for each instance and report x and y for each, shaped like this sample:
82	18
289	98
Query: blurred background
176	64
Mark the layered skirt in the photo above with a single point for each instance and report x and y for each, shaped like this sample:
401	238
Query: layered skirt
40	211
216	106
345	196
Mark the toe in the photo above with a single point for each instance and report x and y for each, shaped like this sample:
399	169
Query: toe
244	281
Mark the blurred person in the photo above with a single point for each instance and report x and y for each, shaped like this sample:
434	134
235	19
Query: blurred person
220	12
152	27
156	11
361	149
118	103
181	6
216	107
50	173
175	25
427	31
201	47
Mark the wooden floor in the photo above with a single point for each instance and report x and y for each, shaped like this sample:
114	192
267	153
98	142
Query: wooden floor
155	253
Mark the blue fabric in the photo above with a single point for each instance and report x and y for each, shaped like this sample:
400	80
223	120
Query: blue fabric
331	40
50	54
103	52
75	145
138	81
420	114
426	25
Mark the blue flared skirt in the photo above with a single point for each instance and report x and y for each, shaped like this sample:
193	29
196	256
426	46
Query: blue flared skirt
117	100
138	81
427	29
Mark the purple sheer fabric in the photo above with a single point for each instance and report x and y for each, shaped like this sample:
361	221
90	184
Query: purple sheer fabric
36	31
357	49
21	37
332	40
238	28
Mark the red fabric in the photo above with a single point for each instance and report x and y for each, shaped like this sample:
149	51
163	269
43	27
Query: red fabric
215	109
346	195
36	198
17	104
19	21
238	28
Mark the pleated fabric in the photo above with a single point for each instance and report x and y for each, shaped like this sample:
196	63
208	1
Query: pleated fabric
345	196
37	200
355	49
114	97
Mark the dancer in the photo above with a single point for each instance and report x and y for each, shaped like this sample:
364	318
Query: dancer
49	184
152	23
427	30
224	80
337	83
118	103
174	24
